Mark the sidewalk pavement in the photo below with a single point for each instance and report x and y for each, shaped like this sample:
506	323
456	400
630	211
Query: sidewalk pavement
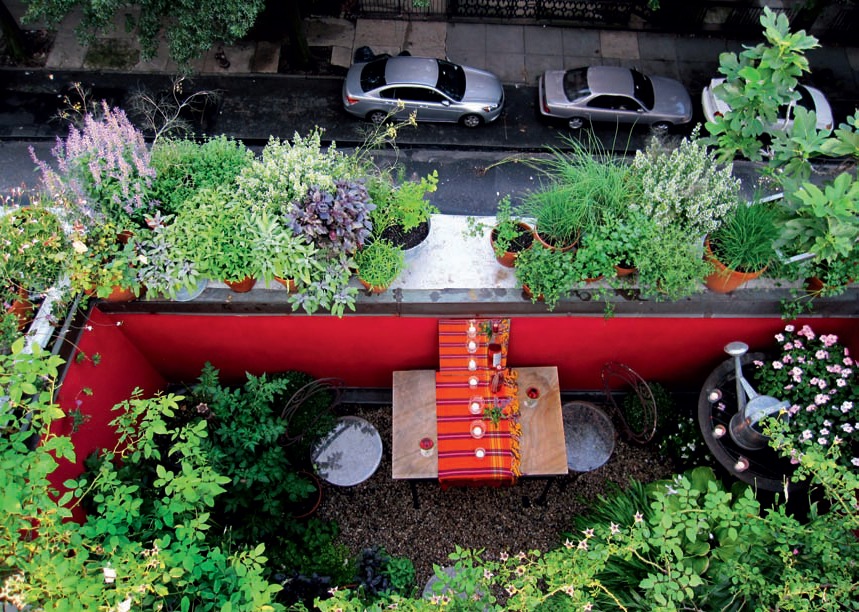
516	53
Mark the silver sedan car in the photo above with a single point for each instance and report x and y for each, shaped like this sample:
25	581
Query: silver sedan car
434	89
611	93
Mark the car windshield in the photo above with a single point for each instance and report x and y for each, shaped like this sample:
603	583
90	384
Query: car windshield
643	89
373	74
576	84
451	80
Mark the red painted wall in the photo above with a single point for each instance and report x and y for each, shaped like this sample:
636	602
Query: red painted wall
149	350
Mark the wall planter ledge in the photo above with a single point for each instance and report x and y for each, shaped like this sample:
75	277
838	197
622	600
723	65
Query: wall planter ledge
458	274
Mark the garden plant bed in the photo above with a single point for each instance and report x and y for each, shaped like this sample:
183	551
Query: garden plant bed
380	512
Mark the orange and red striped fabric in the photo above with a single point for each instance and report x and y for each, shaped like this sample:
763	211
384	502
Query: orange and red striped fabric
458	463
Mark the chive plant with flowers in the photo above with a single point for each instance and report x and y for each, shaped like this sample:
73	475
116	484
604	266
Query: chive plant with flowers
817	376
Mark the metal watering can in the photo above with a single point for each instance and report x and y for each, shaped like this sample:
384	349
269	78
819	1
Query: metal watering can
745	427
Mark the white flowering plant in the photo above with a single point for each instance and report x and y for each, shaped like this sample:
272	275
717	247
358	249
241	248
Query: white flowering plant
685	186
817	375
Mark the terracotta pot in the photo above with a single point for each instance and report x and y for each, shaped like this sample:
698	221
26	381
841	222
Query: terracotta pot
22	308
552	247
526	291
621	271
595	279
724	279
288	283
373	288
242	286
508	259
120	294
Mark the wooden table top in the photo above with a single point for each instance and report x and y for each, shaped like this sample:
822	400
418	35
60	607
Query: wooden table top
541	445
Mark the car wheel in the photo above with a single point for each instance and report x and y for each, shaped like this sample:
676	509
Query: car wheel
660	128
377	117
472	121
576	123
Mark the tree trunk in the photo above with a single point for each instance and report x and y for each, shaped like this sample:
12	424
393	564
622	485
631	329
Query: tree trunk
299	49
13	35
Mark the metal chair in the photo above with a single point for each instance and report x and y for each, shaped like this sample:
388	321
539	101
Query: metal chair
638	417
316	388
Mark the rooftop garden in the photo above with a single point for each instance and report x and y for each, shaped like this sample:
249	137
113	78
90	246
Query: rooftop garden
198	505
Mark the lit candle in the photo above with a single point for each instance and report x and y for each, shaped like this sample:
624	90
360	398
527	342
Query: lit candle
472	365
472	346
472	329
474	406
714	396
473	381
477	431
742	464
480	453
719	431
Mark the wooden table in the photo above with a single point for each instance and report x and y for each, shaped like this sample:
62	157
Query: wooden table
541	445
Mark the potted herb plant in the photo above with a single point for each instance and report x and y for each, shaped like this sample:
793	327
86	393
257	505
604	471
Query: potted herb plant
216	233
101	263
403	212
546	274
379	263
509	236
741	248
35	250
670	264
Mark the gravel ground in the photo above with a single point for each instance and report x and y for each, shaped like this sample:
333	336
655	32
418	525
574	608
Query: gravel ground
379	511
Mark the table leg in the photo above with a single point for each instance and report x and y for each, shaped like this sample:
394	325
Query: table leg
415	501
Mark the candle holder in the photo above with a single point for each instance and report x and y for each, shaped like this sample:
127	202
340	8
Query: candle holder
719	431
472	365
427	447
742	464
475	405
532	396
473	381
480	452
471	346
714	396
471	330
477	429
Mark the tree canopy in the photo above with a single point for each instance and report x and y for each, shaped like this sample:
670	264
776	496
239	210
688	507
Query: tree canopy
190	27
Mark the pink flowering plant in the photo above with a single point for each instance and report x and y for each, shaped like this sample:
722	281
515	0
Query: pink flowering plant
817	376
102	170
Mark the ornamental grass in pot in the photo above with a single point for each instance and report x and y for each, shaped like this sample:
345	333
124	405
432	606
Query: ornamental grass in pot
741	248
582	185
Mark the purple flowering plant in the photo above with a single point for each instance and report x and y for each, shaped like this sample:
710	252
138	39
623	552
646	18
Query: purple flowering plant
102	169
817	375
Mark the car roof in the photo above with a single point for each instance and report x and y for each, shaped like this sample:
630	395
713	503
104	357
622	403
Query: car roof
610	80
413	70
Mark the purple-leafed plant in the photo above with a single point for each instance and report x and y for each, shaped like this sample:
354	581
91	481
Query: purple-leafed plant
338	221
102	169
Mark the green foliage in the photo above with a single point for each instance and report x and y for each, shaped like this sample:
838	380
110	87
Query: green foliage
191	28
8	330
136	548
101	260
379	263
34	248
670	264
548	274
759	81
401	203
185	167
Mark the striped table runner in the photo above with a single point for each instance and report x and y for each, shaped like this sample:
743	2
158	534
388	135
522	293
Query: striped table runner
458	463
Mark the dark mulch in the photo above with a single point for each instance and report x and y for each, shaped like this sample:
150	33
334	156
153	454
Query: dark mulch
380	512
